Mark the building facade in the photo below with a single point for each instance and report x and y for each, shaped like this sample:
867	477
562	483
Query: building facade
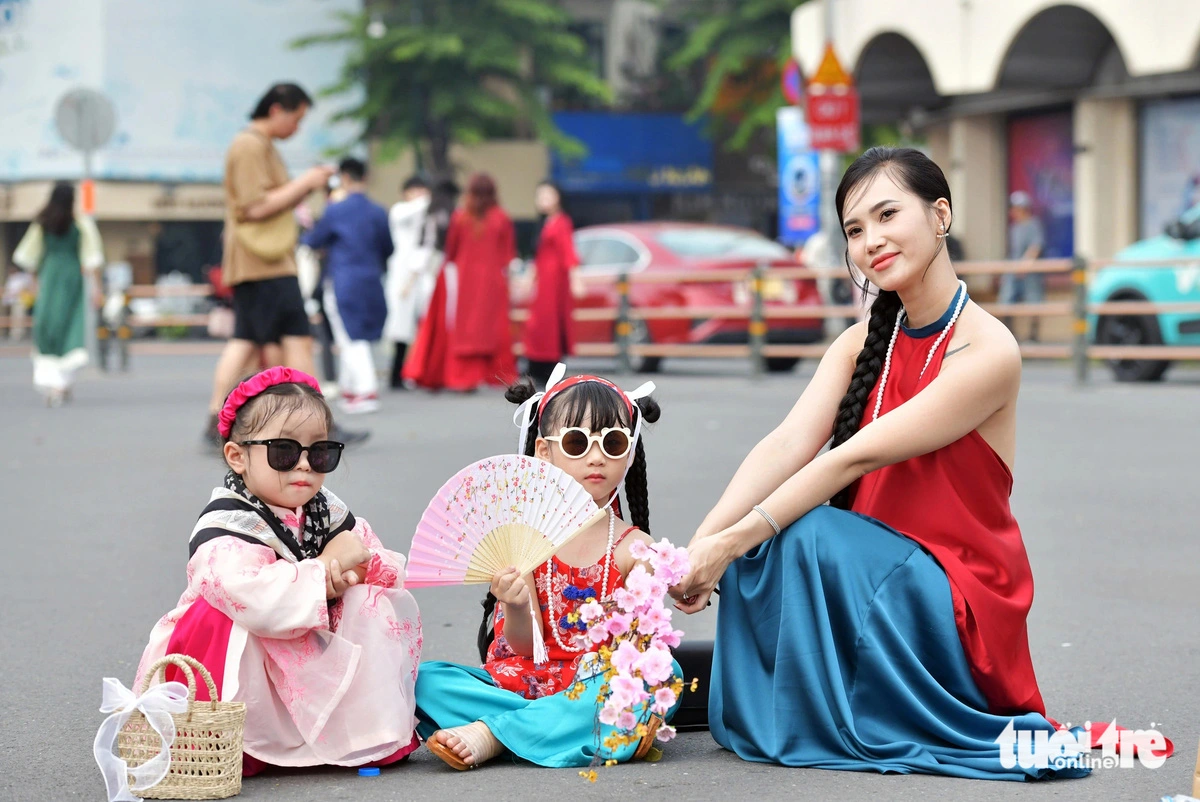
182	79
1091	107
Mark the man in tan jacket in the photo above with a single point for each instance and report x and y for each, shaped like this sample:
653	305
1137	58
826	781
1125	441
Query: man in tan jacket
271	325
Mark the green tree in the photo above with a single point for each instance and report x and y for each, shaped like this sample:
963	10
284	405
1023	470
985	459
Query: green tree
743	45
428	73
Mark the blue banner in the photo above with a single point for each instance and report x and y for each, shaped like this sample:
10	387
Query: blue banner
799	179
634	153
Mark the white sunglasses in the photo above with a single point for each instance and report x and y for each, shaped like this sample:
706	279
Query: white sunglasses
575	442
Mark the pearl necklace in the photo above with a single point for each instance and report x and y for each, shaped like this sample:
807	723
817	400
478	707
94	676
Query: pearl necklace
608	555
887	362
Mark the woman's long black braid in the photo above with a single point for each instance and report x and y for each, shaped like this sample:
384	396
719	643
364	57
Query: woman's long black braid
636	488
866	373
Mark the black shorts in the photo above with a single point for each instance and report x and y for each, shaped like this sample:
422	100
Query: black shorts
269	310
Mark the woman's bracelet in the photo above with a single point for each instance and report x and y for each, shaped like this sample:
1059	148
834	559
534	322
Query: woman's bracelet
758	508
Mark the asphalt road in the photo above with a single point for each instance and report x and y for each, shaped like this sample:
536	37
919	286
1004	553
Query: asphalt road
100	497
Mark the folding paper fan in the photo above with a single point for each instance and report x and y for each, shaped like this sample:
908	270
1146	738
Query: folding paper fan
508	510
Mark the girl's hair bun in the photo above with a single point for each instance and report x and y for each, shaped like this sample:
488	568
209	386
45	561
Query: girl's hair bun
520	391
651	411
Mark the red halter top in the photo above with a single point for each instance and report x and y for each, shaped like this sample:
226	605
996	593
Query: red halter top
954	502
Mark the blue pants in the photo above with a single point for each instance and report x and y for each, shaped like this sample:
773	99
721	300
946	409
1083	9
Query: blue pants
554	731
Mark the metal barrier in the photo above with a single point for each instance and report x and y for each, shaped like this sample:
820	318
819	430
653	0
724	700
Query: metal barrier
115	332
758	314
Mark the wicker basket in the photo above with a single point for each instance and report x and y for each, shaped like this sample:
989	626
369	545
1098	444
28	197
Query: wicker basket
206	757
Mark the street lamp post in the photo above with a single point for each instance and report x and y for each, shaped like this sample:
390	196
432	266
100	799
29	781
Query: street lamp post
829	162
833	117
86	120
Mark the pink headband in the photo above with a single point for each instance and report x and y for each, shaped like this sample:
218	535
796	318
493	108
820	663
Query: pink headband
255	385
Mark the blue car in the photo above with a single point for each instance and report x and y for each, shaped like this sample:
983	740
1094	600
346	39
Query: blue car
1181	240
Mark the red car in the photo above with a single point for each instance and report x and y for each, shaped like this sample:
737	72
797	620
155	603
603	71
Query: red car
607	251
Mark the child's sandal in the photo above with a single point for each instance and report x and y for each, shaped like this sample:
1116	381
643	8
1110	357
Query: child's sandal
479	741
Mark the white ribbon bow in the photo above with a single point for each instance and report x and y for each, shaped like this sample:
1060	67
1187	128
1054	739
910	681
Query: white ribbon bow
640	392
523	417
157	704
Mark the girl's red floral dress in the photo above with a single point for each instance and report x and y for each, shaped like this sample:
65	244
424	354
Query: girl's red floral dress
572	588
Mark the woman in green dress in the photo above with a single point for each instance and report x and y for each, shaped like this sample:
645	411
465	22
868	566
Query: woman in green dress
63	251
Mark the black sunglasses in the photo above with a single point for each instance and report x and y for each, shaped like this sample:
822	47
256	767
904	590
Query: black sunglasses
283	454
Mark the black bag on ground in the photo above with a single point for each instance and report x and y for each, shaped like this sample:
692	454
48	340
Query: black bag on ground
695	658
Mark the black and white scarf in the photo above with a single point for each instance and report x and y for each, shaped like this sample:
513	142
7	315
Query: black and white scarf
235	511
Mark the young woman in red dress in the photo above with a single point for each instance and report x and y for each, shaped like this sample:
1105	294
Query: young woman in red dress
892	622
548	334
464	340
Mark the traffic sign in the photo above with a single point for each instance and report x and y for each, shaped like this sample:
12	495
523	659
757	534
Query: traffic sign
793	83
832	106
85	119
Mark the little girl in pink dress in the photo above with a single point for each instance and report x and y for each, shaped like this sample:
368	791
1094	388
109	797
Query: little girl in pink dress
292	603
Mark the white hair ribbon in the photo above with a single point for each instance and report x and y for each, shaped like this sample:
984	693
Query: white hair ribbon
641	392
523	417
157	704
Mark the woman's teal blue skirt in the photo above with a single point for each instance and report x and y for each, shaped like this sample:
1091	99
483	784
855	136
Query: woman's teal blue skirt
554	731
837	648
